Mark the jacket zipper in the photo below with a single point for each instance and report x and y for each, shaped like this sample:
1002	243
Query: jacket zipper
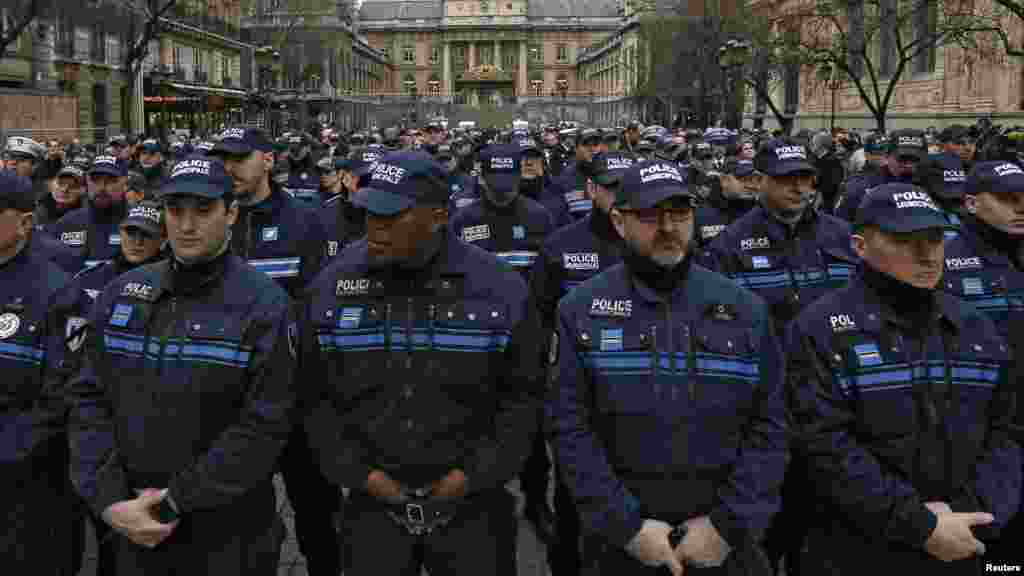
387	333
409	336
654	349
164	335
691	362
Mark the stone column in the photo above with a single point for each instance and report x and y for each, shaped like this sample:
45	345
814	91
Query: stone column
471	56
497	53
446	67
524	88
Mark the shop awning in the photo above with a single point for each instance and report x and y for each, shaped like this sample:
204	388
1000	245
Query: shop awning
226	92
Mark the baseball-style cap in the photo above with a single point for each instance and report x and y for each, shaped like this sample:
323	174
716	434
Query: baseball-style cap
942	175
400	180
645	184
118	140
780	158
22	147
150	146
361	162
899	207
998	177
588	135
954	133
16	192
198	175
242	141
146	215
72	169
501	166
908	142
108	165
326	165
529	146
607	170
739	167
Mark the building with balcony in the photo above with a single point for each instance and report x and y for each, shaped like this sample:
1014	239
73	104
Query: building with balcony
198	73
466	57
322	70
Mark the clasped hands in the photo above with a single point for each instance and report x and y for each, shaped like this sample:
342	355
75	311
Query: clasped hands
702	546
452	486
135	518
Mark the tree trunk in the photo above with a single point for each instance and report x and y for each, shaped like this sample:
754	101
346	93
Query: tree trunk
880	120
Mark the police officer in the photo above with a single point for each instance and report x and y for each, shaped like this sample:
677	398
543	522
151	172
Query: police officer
902	402
301	168
283	238
983	266
151	165
23	155
142	242
65	193
789	254
943	177
463	177
534	179
40	315
667	406
570	256
330	178
344	222
422	351
732	194
164	350
503	222
92	230
555	153
956	141
906	149
566	197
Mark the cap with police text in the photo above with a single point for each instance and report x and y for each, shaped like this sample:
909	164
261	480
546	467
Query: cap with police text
997	177
239	141
400	180
26	148
780	158
198	175
109	166
361	162
899	207
645	184
942	175
739	167
501	166
607	170
146	215
529	146
908	142
16	192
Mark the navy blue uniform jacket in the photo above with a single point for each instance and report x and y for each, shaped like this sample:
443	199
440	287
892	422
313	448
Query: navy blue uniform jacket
668	407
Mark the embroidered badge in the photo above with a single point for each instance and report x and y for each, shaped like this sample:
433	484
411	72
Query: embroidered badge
75	333
122	314
518	233
973	287
138	290
114	239
74	238
761	262
474	233
350	317
581	261
867	354
332	248
270	234
9	324
611	308
722	312
611	339
352	287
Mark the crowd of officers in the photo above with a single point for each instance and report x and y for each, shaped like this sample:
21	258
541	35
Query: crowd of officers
732	353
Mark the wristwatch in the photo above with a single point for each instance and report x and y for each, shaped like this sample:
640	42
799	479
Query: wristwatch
165	510
676	535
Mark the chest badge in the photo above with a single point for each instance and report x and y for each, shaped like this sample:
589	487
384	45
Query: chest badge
868	354
611	339
350	317
122	314
973	287
518	233
722	312
761	262
269	234
475	233
9	324
114	239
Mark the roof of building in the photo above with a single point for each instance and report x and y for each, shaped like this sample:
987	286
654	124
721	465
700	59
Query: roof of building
388	10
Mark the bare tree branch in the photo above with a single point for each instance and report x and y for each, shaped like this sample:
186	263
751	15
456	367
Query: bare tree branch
16	21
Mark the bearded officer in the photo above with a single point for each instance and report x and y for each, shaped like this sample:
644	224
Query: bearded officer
570	256
41	313
164	350
667	411
283	238
92	230
902	403
983	266
422	351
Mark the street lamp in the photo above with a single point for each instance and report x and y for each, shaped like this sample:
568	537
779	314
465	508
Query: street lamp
160	76
828	73
732	57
